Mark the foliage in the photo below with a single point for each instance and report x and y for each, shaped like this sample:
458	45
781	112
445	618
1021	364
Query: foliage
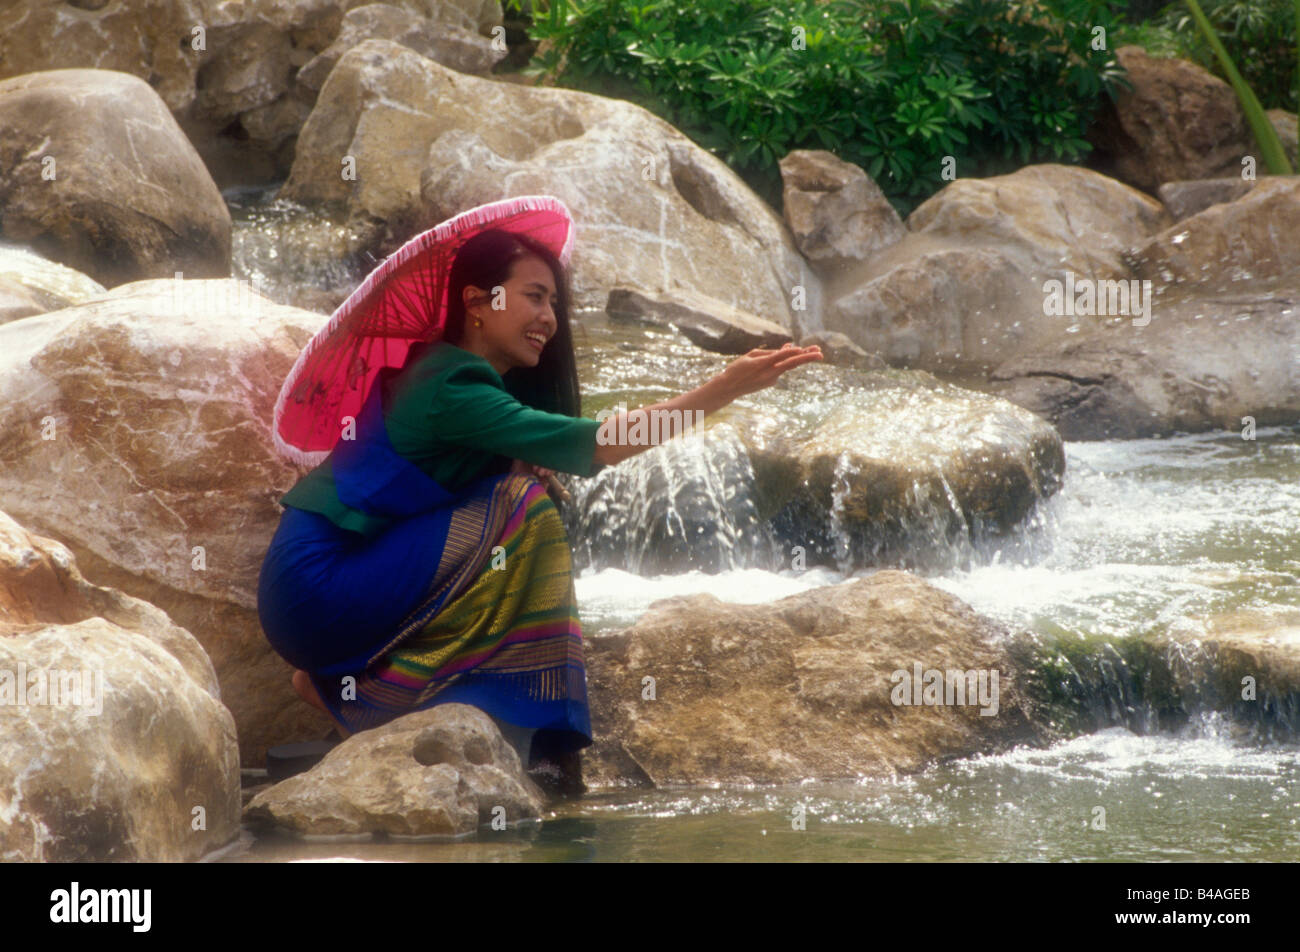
893	86
1258	35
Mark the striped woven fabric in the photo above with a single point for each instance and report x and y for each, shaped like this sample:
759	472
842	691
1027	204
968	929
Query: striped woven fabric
498	628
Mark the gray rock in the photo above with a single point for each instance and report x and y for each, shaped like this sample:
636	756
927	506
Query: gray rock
439	772
129	198
447	43
656	212
799	688
836	213
139	762
965	289
1184	199
1255	238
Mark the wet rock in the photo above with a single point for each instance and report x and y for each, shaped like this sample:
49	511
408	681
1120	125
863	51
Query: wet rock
858	469
1246	663
138	761
30	284
439	772
836	213
99	177
139	436
1236	242
658	213
799	688
1178	122
906	476
964	289
706	323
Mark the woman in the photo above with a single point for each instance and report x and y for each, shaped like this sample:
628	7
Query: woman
423	561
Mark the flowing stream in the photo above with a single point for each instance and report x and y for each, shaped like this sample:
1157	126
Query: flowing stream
1143	536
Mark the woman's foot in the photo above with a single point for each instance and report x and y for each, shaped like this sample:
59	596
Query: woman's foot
307	691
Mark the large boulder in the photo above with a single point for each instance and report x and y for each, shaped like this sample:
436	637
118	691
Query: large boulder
810	686
833	466
439	772
139	436
1222	343
904	472
1251	239
1247	662
964	289
1208	360
149	39
96	174
114	743
228	71
1179	121
654	211
30	284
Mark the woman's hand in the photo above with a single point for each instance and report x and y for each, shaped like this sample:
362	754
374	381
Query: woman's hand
760	368
541	472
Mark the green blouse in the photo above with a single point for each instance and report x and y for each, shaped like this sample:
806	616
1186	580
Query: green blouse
450	414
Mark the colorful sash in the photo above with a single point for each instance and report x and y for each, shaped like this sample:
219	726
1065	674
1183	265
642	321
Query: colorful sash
497	626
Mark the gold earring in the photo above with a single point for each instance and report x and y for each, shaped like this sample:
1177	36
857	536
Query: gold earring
477	322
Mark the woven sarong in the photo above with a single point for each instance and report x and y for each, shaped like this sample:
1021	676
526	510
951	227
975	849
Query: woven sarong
498	628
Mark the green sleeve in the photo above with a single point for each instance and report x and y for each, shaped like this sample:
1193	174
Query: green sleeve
471	409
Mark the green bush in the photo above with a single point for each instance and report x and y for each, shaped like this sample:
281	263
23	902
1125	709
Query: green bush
894	87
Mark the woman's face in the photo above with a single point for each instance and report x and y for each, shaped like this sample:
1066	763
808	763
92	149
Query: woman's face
518	321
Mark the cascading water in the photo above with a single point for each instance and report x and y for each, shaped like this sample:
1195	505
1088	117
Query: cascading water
688	504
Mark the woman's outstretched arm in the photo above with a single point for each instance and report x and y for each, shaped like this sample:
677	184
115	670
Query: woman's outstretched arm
754	371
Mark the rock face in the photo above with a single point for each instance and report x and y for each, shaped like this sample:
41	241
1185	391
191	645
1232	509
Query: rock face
655	211
837	214
229	71
98	176
143	38
965	288
440	772
804	687
30	284
1223	342
114	743
1178	122
1207	360
448	42
139	436
1255	238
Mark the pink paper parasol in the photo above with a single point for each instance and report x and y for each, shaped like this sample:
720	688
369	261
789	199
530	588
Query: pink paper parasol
401	303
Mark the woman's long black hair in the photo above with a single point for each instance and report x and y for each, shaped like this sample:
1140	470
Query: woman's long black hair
486	261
